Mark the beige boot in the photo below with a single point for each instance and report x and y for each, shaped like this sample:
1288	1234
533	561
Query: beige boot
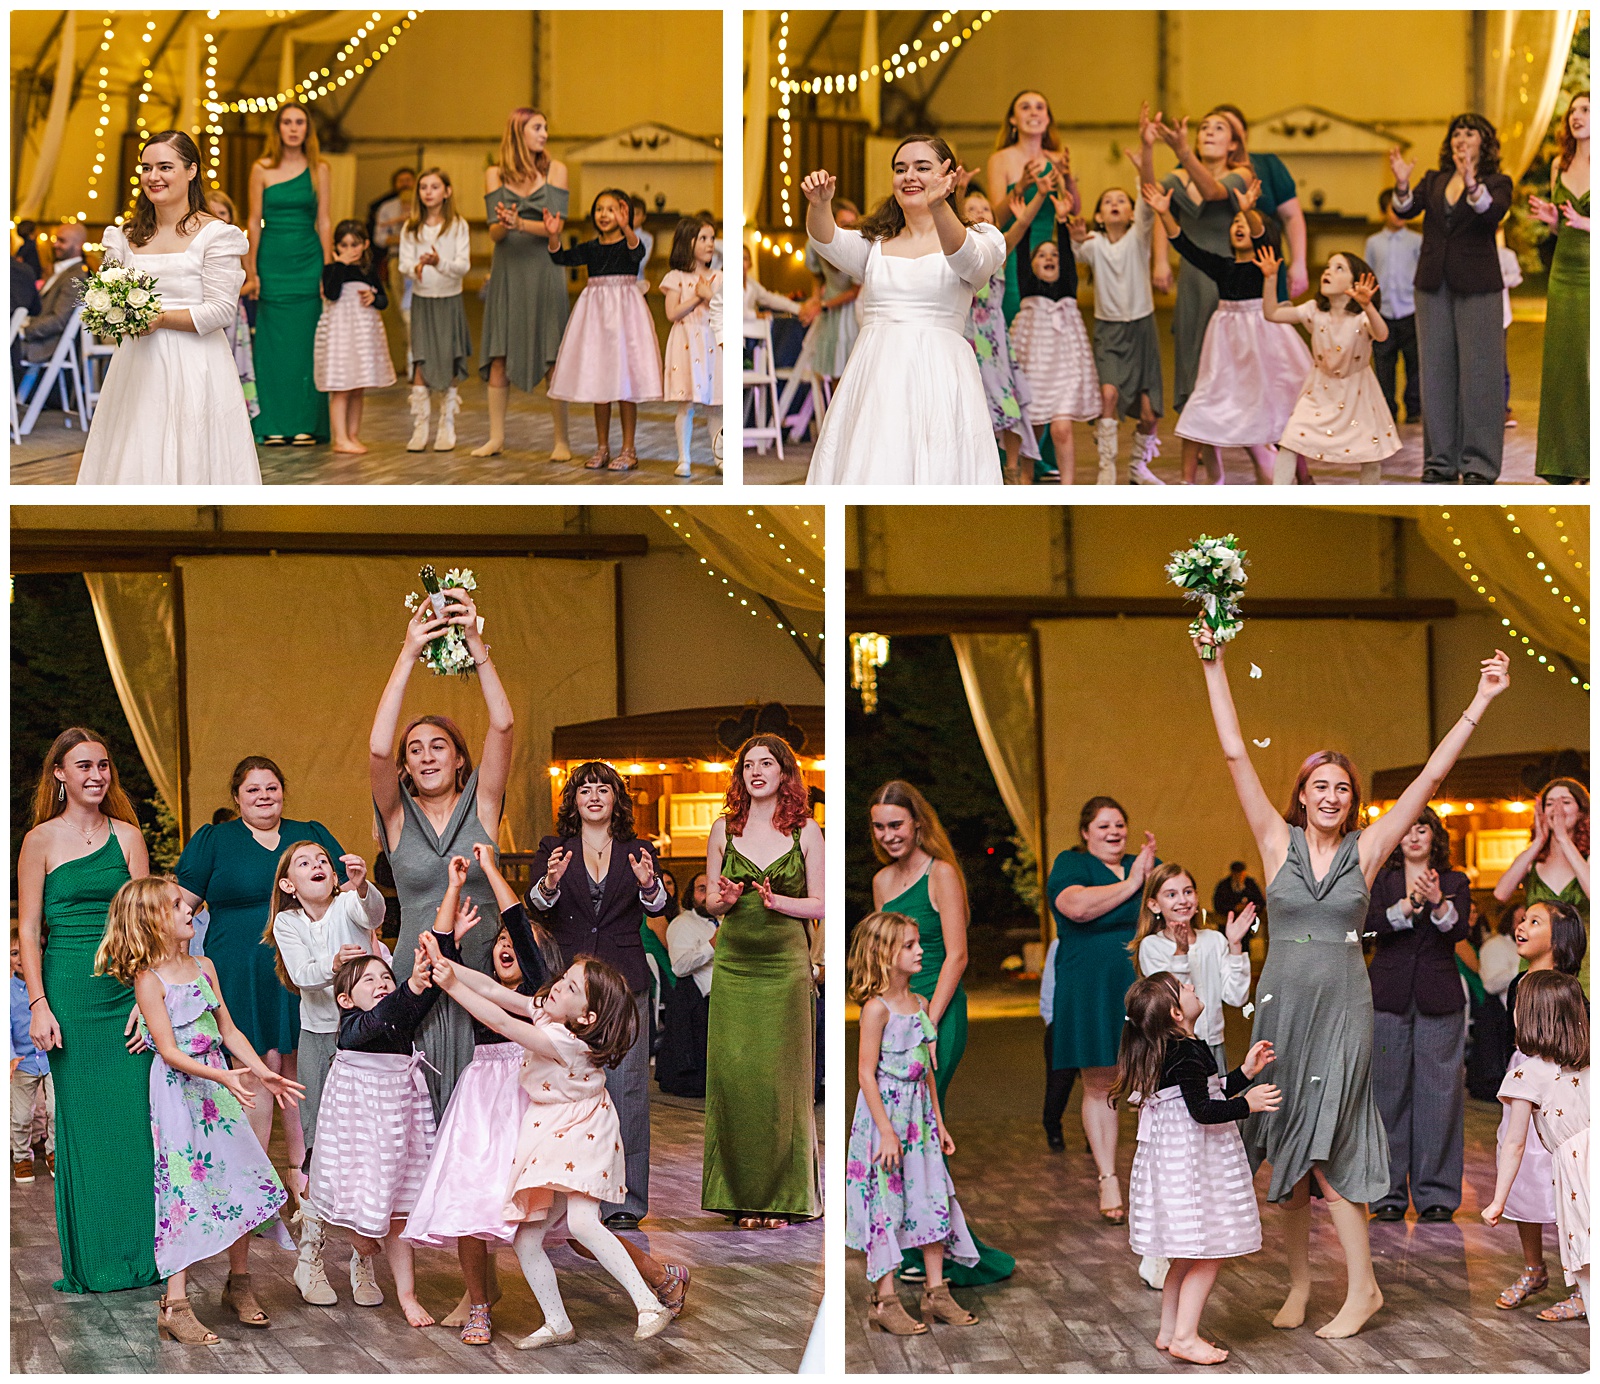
310	1275
1105	446
421	407
176	1321
1146	448
499	397
446	440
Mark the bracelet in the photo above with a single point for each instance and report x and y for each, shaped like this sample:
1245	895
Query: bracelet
31	1003
1468	719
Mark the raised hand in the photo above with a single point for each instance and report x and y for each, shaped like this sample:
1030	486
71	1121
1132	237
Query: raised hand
1018	205
1252	192
1207	639
1078	229
1544	211
457	870
1363	289
1063	205
1495	675
1036	171
1556	826
728	892
1541	828
1573	217
1267	262
1175	137
644	870
485	855
942	183
423	628
466	918
1149	130
1260	1098
1238	925
281	1089
1400	168
1146	859
1258	1058
552	222
348	952
963	181
1428	887
819	187
444	975
355	871
1159	198
554	868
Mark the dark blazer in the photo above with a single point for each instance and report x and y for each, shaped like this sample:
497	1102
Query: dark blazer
42	331
1417	963
1458	248
612	933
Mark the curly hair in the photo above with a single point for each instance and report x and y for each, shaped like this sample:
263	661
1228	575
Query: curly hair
1488	151
873	945
1438	845
793	807
890	218
1295	813
1580	829
569	823
136	928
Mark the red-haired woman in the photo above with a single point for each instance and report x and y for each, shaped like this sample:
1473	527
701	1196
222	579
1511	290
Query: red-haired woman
1314	1001
765	882
1555	867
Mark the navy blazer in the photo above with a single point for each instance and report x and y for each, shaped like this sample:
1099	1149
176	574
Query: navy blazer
1458	247
612	932
1417	964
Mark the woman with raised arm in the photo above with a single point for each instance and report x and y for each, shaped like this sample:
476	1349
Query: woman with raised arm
1313	1000
761	1134
432	804
1555	866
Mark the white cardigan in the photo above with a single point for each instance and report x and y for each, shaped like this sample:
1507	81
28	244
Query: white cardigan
454	244
308	947
1218	977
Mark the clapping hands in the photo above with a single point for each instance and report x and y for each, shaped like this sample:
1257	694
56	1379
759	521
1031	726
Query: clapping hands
1239	924
1400	168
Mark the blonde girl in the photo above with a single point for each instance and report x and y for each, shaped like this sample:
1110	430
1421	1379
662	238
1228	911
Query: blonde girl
435	254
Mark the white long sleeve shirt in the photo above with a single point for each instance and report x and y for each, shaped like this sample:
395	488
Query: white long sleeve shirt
454	244
308	946
689	945
1121	269
1217	975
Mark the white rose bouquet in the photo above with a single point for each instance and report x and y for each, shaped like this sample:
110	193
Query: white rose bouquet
119	302
446	655
1211	572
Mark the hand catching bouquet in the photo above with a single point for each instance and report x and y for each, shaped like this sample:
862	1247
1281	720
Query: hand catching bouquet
1211	572
119	302
448	654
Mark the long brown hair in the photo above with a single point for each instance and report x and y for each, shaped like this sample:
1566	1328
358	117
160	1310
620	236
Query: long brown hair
49	798
568	820
1580	828
793	806
1553	1019
890	219
1569	141
447	208
1239	158
1149	920
1295	813
616	1018
1146	1030
311	149
515	163
1009	134
931	835
282	902
450	728
141	223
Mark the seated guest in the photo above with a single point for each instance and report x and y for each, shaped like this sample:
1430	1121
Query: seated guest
58	296
691	943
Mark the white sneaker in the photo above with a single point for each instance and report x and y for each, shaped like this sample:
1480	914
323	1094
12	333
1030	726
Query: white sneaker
364	1282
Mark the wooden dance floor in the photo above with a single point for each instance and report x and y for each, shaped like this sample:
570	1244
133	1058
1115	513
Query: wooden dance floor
752	1299
1076	1304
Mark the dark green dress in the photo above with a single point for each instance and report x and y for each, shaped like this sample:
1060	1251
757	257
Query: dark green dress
289	266
227	867
761	1134
917	904
525	308
1093	968
105	1160
1564	385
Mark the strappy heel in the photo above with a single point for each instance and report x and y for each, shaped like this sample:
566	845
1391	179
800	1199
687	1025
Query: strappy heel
1118	1214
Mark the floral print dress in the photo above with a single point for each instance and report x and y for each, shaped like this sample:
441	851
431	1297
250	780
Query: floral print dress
887	1212
1003	386
214	1183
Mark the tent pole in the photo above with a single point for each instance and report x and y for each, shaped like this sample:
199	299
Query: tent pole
180	641
1043	853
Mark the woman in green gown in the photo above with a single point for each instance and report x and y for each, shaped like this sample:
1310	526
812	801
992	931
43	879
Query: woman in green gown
764	863
84	846
921	880
290	231
1555	866
1563	455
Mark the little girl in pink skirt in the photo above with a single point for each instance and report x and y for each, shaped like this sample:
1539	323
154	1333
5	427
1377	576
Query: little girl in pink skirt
351	352
610	350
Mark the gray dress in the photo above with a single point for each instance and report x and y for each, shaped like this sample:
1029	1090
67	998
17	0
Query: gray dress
420	861
1314	1004
525	311
1206	225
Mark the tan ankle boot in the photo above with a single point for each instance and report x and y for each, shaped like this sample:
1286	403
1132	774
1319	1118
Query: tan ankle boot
176	1321
938	1304
889	1315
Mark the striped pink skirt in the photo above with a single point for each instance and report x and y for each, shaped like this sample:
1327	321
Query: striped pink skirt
1057	361
609	351
351	350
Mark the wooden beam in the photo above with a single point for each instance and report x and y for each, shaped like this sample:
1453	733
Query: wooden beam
1016	614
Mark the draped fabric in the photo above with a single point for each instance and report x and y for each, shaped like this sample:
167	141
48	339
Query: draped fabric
55	125
755	115
997	673
134	612
1527	54
776	550
870	92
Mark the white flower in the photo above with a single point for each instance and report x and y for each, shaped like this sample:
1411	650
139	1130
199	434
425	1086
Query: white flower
116	315
97	300
112	273
138	298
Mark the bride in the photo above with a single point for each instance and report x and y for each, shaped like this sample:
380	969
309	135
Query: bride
172	410
910	406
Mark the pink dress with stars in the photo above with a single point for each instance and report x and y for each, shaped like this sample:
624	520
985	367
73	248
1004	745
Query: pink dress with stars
1340	415
1560	1098
570	1139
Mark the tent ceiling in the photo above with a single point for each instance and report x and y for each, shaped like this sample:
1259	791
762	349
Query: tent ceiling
686	734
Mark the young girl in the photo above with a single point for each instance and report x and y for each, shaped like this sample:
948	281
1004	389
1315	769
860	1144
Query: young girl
1190	1195
435	254
214	1182
352	353
569	1155
610	350
1251	370
220	205
315	925
1215	963
689	370
898	1192
375	1128
1052	345
1003	384
1341	416
1550	937
1550	1085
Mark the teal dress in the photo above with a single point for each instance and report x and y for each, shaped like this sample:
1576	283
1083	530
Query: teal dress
105	1157
917	904
226	866
1563	453
289	266
1093	968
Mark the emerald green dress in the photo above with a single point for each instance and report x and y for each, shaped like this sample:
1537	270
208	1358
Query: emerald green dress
917	904
1535	890
1564	387
105	1160
761	1135
289	266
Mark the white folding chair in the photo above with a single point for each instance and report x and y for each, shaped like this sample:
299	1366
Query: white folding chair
61	367
761	389
92	349
18	317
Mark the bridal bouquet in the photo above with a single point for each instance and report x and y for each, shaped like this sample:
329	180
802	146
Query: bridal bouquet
119	302
446	655
1211	572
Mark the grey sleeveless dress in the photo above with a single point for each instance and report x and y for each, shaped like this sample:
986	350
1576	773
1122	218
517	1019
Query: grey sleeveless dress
1314	1004
420	860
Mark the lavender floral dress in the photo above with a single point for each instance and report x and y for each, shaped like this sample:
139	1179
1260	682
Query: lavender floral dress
213	1181
887	1212
1003	385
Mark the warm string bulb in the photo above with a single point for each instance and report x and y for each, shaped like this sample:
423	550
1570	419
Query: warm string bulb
789	560
321	80
103	125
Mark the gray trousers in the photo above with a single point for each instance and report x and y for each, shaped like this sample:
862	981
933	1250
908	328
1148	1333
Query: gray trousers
1461	342
1418	1083
313	1062
629	1087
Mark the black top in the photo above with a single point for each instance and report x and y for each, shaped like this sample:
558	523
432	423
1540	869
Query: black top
391	1024
1237	281
1417	965
1030	286
615	258
599	919
1225	899
1511	1007
24	287
1458	245
335	276
1189	1065
534	971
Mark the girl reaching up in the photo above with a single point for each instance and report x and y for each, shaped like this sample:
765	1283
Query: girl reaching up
1192	1199
197	1105
689	370
435	254
351	352
1341	416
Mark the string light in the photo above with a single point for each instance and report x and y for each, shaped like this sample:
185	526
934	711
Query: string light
103	125
784	88
812	574
213	128
319	81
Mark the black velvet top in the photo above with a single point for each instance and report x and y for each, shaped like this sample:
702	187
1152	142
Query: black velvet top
335	276
535	973
1237	282
600	260
391	1025
1029	285
1189	1066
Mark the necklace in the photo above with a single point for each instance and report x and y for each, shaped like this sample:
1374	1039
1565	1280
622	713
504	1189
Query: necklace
91	833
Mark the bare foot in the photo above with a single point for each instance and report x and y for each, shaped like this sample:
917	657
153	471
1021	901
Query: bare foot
1162	1344
416	1313
1293	1311
1197	1352
354	448
1353	1315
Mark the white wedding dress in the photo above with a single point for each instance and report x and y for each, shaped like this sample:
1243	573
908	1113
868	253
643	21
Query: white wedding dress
910	407
172	410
